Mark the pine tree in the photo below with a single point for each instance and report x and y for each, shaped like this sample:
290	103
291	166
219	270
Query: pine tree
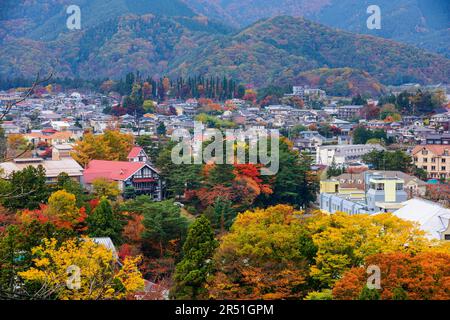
104	223
193	270
369	294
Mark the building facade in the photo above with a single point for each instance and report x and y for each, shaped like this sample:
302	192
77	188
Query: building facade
144	179
434	159
343	154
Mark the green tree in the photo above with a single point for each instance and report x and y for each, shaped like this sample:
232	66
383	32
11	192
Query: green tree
179	177
64	182
129	192
389	160
163	221
197	264
27	189
294	183
102	222
161	129
221	214
369	294
151	148
333	170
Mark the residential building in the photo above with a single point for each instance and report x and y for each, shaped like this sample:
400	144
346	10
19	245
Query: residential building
385	194
382	195
349	112
53	168
434	159
137	154
413	186
140	175
343	154
441	139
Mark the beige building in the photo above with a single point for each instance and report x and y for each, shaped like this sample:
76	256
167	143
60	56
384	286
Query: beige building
434	159
52	168
412	185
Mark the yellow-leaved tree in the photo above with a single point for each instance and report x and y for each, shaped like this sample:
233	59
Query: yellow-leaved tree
111	145
105	188
261	257
343	241
80	269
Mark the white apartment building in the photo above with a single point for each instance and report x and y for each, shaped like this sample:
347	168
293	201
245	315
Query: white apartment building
342	154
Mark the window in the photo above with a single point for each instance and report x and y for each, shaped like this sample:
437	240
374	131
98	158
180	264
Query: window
399	186
425	167
433	167
443	168
380	186
425	159
443	160
433	160
447	237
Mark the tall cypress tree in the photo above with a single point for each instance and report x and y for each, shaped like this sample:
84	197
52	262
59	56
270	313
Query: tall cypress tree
193	270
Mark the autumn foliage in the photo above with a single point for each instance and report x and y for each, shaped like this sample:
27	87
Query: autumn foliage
425	276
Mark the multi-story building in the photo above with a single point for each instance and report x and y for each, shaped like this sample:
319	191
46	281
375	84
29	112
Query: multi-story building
413	185
349	112
443	139
434	159
343	154
381	195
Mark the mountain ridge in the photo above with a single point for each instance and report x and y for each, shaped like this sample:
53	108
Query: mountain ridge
270	51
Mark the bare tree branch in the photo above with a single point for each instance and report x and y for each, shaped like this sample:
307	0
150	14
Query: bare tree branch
37	82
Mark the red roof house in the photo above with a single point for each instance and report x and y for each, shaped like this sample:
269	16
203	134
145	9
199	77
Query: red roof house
139	175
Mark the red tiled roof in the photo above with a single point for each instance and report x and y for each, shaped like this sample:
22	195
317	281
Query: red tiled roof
134	152
437	150
111	170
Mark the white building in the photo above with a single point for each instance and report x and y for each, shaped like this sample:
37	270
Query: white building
430	216
342	154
